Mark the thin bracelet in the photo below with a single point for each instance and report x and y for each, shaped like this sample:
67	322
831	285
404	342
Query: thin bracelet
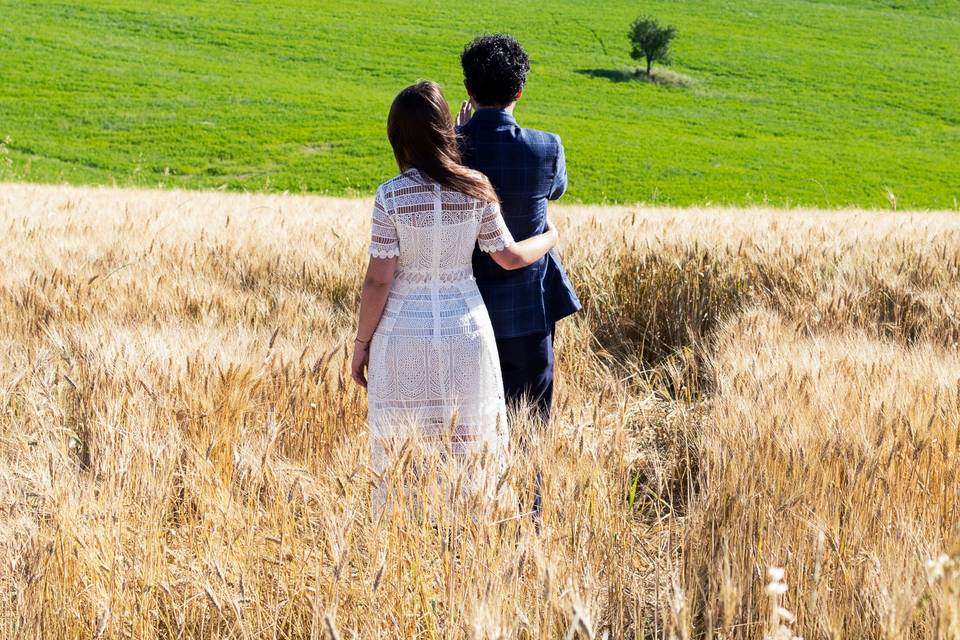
362	341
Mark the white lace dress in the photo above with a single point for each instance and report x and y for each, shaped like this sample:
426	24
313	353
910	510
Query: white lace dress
433	358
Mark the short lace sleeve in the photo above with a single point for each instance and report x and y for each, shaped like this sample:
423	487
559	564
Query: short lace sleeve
494	234
384	242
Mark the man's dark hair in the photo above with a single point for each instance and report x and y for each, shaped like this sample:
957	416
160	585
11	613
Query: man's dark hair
494	69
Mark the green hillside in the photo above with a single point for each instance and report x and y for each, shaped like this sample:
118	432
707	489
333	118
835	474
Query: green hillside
791	102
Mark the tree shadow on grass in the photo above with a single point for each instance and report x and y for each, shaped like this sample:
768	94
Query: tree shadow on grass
662	77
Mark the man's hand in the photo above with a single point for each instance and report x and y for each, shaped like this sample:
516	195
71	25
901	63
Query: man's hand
466	111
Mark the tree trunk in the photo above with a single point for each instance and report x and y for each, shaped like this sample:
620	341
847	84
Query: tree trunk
649	67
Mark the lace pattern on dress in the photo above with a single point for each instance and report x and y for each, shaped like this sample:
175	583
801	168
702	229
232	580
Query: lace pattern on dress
494	234
384	242
433	357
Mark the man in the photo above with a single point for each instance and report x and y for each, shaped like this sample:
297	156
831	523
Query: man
527	168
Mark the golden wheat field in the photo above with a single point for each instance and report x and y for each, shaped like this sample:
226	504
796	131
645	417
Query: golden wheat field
183	454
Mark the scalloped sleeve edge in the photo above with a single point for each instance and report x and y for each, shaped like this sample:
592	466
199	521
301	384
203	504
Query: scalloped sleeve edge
498	245
384	252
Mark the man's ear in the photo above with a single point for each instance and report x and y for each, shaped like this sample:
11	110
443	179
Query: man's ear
469	95
519	95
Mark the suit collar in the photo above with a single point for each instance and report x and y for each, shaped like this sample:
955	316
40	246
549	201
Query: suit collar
493	116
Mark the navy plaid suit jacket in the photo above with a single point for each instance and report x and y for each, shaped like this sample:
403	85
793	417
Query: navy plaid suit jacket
526	167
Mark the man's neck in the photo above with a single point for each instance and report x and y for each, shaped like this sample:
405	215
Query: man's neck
508	108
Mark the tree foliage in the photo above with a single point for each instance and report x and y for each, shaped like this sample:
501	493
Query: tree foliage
650	41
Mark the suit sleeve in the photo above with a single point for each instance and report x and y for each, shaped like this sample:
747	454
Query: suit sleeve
559	186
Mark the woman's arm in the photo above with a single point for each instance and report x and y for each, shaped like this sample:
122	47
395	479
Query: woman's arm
373	298
526	252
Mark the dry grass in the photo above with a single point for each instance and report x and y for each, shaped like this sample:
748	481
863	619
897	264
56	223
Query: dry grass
182	454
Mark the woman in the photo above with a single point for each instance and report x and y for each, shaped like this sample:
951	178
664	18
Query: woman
425	348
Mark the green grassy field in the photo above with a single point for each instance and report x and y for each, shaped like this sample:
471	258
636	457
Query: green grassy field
792	102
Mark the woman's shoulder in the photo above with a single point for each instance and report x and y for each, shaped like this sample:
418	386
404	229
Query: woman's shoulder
393	183
480	177
401	180
477	175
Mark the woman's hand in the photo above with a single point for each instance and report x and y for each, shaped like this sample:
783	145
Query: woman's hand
466	111
551	230
518	255
358	366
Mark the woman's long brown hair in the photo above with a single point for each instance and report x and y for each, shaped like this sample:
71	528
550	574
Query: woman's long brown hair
422	135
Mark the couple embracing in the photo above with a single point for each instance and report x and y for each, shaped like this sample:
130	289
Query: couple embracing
463	287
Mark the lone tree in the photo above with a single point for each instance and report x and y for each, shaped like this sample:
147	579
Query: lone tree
650	41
